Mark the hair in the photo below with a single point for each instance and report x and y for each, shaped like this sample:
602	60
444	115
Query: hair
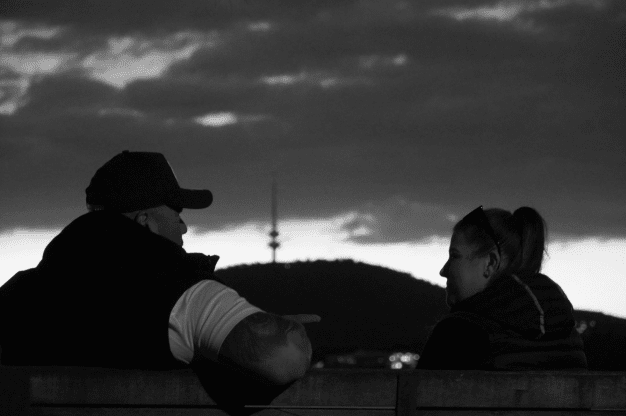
522	236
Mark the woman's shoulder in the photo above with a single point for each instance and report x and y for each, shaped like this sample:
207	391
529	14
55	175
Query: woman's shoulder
467	321
463	327
456	342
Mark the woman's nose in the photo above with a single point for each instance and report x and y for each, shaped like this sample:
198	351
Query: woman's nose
183	227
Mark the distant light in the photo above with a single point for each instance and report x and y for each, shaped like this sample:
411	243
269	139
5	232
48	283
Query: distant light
396	366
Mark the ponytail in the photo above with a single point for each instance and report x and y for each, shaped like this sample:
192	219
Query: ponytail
521	237
532	230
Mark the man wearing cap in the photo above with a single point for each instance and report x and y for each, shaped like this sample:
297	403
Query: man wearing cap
116	289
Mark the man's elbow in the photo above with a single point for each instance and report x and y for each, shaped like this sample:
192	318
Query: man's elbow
270	347
287	365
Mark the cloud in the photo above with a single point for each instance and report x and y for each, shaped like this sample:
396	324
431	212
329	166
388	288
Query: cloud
130	58
67	93
397	220
347	102
26	37
189	98
217	119
514	11
124	16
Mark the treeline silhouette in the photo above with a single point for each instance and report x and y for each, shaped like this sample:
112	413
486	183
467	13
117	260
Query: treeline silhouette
373	308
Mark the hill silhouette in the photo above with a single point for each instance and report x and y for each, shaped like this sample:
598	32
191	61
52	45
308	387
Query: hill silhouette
605	339
362	306
373	308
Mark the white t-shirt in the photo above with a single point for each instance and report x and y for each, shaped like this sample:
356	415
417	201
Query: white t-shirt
202	318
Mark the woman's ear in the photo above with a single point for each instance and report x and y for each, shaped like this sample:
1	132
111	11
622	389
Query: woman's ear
141	218
492	265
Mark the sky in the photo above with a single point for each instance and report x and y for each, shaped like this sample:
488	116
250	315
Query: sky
382	121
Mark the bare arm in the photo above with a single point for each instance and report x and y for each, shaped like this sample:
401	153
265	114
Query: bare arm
273	347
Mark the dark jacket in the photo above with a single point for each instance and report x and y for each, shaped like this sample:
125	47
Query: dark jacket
101	296
519	322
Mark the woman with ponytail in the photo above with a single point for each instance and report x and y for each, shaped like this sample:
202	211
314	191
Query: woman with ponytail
504	314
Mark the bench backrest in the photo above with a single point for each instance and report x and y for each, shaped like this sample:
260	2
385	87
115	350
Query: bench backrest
93	391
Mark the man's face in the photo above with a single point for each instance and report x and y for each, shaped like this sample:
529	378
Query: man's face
167	223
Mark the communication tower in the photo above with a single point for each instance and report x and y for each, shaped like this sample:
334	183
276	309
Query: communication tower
274	232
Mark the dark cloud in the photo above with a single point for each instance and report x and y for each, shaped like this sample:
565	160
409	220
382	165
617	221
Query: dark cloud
157	16
475	112
68	93
398	220
317	44
183	98
10	87
66	40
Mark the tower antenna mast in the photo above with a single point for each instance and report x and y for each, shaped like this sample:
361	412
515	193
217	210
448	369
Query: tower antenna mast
274	233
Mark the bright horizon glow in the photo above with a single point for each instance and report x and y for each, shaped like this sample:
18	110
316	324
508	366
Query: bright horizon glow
590	271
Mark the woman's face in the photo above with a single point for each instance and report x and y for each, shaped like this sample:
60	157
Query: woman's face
465	274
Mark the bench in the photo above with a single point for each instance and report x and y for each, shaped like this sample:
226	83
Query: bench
69	391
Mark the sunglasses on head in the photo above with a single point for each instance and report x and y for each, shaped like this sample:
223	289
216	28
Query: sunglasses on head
478	217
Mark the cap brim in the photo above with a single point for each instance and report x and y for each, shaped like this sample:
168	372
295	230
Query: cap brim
191	198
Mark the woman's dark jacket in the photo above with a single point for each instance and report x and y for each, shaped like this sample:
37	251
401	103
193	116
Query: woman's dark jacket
101	296
522	321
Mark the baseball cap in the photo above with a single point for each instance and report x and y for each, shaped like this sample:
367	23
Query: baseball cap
131	181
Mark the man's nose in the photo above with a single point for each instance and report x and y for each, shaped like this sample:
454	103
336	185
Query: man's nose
183	227
443	271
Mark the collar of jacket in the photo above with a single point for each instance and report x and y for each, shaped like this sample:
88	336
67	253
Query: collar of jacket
101	237
532	305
